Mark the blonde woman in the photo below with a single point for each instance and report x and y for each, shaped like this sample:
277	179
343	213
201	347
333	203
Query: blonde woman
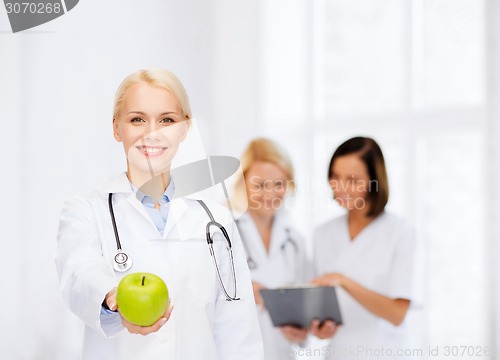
163	235
274	248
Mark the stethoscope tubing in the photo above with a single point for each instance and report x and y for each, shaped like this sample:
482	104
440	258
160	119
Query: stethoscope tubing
252	264
113	220
122	262
210	243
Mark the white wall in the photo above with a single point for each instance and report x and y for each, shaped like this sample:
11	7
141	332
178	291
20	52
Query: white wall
493	161
57	83
236	76
56	90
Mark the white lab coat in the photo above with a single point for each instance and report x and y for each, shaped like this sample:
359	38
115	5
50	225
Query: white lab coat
203	324
382	258
285	264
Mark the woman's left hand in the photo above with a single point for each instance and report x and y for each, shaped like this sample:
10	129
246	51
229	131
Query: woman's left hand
325	331
294	334
145	330
331	279
256	293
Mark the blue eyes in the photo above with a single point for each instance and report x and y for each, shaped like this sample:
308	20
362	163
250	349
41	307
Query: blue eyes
164	120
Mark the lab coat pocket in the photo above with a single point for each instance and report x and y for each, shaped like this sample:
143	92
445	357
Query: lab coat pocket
199	276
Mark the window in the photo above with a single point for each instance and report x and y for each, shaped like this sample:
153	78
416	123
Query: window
411	74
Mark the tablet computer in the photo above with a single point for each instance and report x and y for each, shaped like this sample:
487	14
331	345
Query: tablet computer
298	306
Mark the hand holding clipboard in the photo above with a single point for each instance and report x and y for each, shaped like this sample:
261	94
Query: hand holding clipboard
299	306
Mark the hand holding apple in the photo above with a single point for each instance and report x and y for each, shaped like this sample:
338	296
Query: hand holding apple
142	300
145	330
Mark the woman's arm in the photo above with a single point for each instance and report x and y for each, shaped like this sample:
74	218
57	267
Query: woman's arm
83	272
392	310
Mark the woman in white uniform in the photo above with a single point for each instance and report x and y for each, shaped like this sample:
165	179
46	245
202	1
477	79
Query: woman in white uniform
368	254
163	235
274	249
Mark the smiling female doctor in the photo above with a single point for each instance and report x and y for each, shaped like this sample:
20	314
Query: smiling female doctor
371	255
163	235
275	250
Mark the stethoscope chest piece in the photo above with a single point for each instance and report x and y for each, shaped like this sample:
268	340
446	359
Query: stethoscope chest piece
251	263
122	262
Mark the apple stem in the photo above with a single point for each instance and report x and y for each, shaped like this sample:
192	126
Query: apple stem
143	278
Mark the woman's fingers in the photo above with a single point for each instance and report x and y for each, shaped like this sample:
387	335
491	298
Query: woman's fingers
169	310
155	327
111	299
319	281
256	292
294	334
325	331
145	330
332	279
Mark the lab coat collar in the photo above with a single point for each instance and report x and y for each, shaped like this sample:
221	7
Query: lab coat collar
278	232
280	217
119	184
178	206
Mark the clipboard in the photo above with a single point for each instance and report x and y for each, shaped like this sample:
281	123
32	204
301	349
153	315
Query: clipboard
298	306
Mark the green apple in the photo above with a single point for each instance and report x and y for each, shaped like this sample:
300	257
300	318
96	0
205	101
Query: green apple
142	298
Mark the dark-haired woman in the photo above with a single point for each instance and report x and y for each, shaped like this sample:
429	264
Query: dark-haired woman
368	254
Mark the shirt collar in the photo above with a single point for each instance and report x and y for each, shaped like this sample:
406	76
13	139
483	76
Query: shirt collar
144	198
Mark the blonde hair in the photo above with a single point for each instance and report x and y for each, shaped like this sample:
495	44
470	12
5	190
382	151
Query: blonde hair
265	150
157	77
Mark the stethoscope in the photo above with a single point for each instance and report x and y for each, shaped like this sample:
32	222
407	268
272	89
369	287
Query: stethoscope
123	262
252	264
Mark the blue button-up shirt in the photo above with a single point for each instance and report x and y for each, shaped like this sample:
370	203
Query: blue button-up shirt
159	216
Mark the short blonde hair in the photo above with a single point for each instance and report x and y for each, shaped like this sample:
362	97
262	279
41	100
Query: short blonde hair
265	150
157	77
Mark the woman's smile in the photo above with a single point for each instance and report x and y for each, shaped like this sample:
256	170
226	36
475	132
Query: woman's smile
151	151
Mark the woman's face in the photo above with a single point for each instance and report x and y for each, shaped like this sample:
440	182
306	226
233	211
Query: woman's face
151	126
266	186
350	182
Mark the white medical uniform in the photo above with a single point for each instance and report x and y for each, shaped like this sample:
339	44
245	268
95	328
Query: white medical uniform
382	258
284	264
203	324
